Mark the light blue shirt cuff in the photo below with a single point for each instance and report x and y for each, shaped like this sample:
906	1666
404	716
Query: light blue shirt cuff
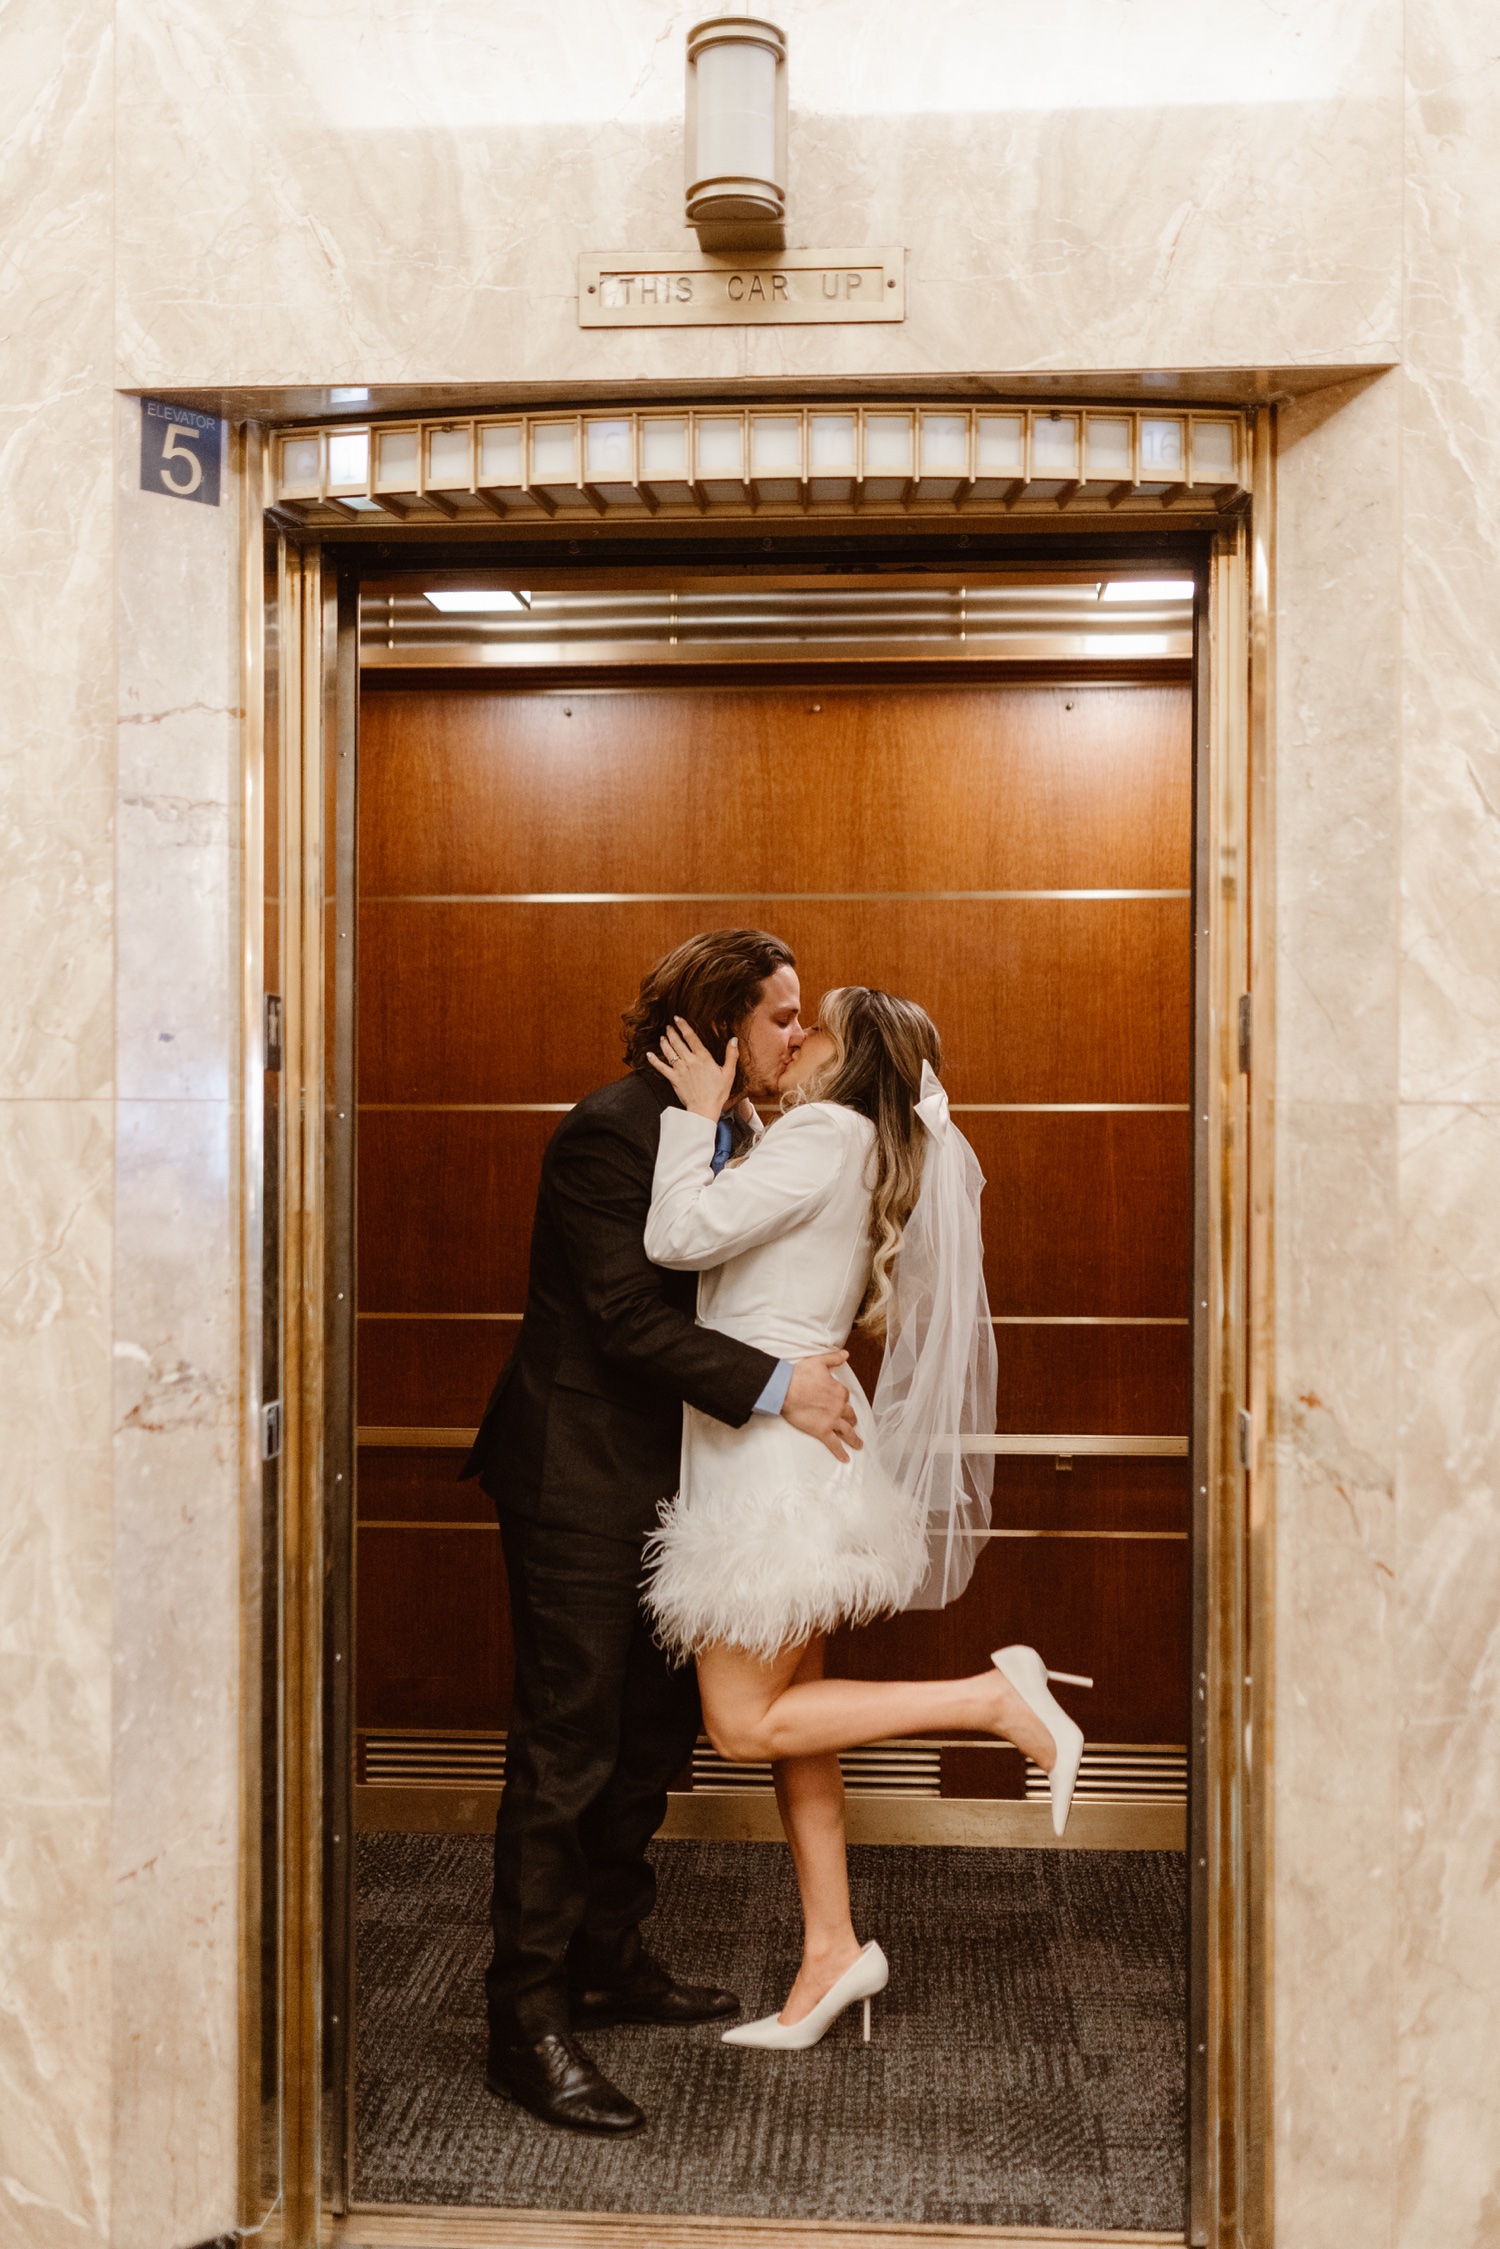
773	1397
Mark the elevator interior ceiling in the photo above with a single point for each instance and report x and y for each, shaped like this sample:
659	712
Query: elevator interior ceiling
487	619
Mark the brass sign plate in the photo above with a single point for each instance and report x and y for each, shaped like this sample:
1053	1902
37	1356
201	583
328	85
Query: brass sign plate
759	289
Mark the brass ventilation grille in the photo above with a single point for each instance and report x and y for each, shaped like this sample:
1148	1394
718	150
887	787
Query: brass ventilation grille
889	460
1091	621
887	1769
1116	1774
432	1760
1112	1773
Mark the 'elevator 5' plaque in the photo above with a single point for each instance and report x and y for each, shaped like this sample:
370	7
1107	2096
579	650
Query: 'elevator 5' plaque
761	289
180	451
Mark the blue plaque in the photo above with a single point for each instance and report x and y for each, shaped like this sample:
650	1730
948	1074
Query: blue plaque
181	451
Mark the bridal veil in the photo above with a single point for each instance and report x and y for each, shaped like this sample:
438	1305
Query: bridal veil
934	1404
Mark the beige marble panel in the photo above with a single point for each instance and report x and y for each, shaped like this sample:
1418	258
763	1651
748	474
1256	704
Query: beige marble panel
1337	844
1449	1656
1334	1782
56	801
176	1573
1449	1487
54	1672
1338	742
1451	862
176	1686
55	793
388	194
177	1003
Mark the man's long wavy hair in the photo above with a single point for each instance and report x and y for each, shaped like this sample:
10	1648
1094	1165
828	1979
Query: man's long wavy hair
713	980
880	1044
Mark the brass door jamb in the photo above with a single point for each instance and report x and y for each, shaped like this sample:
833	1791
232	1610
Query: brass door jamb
1230	2172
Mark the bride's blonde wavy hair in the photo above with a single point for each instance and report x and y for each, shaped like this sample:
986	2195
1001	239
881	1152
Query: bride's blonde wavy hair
880	1044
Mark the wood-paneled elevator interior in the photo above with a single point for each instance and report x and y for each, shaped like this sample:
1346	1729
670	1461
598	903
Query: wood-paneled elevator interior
1016	857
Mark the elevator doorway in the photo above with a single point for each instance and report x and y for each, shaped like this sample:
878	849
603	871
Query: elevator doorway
1017	853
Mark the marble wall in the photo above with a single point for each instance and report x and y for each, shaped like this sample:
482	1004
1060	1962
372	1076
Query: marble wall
210	193
56	1155
1447	1647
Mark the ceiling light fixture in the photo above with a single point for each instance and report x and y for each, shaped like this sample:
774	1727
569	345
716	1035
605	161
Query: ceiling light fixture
492	604
1148	589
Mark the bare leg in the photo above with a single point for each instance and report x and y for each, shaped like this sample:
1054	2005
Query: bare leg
755	1709
810	1798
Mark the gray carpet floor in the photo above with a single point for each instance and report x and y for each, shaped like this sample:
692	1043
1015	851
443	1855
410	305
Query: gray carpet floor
1027	2066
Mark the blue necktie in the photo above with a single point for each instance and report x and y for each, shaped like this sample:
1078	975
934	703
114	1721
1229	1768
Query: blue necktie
723	1145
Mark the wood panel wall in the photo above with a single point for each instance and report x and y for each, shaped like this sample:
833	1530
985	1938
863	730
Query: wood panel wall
859	825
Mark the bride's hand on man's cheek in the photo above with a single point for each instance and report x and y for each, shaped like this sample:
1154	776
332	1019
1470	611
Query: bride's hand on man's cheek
701	1084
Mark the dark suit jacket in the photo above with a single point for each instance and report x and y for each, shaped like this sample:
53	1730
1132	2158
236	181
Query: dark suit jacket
584	1426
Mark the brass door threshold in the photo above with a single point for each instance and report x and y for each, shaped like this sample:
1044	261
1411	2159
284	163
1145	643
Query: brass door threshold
391	2226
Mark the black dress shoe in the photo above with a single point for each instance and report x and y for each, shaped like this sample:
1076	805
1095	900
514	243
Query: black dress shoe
556	2081
649	1994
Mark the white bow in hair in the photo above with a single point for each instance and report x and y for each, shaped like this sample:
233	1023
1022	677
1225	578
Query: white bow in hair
932	1108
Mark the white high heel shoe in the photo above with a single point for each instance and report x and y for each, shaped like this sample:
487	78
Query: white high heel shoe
1027	1673
870	1973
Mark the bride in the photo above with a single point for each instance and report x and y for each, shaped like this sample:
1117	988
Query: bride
861	1201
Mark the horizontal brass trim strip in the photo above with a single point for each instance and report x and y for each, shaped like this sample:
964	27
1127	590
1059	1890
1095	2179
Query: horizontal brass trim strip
383	1523
390	2225
1116	1750
1080	1320
740	897
382	1437
959	1108
1163	1448
997	1319
748	1815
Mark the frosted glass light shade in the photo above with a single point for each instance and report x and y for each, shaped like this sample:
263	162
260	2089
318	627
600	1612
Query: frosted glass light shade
1054	445
831	444
664	448
607	451
348	460
500	453
299	464
736	120
1161	450
553	455
396	459
448	457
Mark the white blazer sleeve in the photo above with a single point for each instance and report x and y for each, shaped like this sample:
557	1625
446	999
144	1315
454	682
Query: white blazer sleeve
697	1221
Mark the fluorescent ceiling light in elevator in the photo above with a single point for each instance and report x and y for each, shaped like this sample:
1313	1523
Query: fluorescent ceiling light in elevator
466	604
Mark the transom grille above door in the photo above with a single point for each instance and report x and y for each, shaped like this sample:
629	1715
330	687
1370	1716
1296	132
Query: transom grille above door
886	460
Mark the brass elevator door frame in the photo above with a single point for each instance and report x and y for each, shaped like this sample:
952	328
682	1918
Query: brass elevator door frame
1227	1834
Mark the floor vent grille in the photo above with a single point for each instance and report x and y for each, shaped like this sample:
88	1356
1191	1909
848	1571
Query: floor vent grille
1123	1775
432	1760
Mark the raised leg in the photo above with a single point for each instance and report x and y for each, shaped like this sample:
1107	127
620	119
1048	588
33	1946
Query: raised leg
755	1709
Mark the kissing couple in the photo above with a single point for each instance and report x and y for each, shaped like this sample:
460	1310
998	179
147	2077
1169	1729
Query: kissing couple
694	1491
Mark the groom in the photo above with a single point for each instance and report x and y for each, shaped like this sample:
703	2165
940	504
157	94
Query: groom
578	1447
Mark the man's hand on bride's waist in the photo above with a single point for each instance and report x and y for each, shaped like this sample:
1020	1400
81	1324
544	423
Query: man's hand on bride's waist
818	1404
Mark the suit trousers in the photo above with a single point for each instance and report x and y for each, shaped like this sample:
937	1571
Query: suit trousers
601	1723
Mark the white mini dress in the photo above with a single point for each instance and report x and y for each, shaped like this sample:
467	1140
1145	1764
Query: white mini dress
769	1539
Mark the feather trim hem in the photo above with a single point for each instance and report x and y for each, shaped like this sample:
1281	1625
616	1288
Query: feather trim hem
765	1572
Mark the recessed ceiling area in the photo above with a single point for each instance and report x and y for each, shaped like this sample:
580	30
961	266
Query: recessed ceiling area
1087	620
